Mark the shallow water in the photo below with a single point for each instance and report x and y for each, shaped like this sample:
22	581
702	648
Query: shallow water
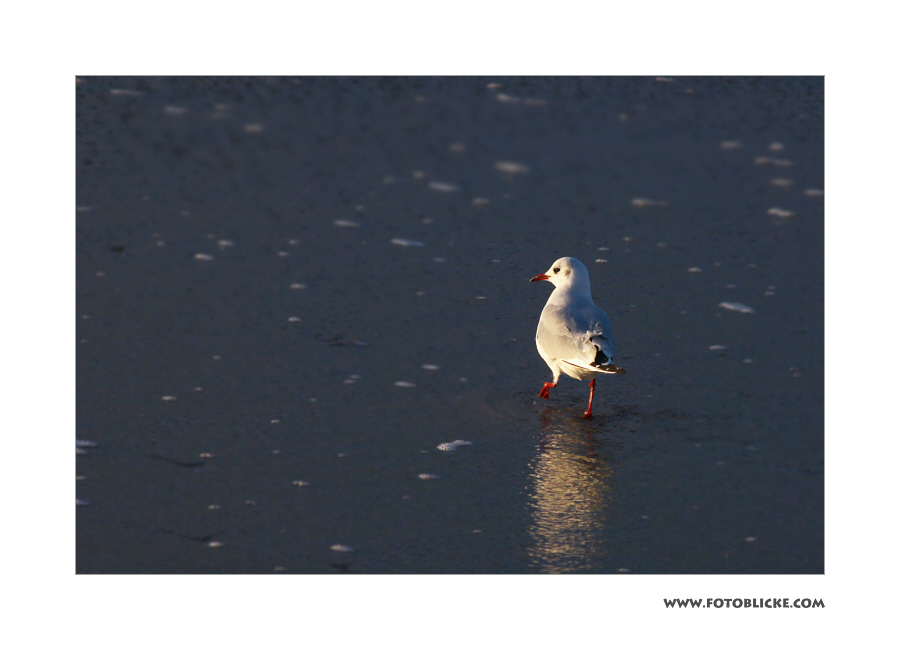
292	292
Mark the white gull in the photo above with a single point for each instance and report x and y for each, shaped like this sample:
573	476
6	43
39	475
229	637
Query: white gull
574	336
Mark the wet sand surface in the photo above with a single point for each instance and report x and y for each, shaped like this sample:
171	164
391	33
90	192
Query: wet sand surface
292	292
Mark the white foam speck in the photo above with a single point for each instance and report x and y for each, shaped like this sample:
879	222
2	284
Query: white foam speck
341	548
225	243
294	319
300	484
737	306
480	200
204	257
346	223
776	146
428	477
122	92
85	443
782	182
175	110
814	192
80	503
510	167
729	145
457	147
404	384
648	203
777	162
450	446
406	242
718	347
600	260
297	285
440	259
440	186
695	269
169	398
779	212
430	366
253	128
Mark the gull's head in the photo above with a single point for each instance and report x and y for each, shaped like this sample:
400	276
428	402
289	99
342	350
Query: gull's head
566	272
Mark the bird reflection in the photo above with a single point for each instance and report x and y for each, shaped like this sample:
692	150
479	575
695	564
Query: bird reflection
570	492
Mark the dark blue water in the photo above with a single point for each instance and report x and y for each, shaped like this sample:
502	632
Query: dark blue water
289	446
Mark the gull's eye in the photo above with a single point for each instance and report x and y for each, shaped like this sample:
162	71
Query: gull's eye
556	270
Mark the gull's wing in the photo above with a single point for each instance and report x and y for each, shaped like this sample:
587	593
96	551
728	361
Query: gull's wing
579	334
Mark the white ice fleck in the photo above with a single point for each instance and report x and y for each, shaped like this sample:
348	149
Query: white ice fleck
430	366
814	192
204	257
406	242
776	162
253	128
225	243
175	110
779	212
341	548
169	398
480	200
718	347
440	186
346	223
451	446
695	269
737	306
782	182
404	384
648	203
79	502
85	443
428	477
300	484
298	285
728	145
510	167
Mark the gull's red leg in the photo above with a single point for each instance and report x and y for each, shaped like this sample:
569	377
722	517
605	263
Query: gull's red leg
587	413
545	391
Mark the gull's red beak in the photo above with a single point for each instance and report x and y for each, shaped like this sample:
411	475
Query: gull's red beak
542	276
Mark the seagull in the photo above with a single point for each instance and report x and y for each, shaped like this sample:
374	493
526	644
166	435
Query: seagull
574	336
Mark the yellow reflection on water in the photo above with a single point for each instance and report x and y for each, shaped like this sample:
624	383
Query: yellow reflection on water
570	492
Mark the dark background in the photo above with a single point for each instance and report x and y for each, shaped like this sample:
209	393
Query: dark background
697	460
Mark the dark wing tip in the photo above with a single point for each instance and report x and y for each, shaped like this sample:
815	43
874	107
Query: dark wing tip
609	369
